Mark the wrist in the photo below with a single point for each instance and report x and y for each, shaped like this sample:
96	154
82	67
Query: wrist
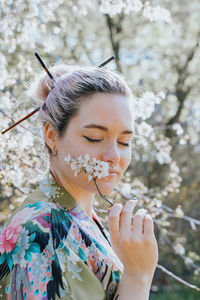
141	279
133	286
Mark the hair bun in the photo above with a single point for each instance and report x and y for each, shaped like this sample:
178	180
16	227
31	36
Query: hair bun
42	84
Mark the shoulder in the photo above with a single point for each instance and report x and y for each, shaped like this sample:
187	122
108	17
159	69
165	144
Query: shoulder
34	205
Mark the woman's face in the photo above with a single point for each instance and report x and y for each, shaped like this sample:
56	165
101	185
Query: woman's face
103	128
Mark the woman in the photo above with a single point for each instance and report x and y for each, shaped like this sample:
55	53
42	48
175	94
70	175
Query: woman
54	246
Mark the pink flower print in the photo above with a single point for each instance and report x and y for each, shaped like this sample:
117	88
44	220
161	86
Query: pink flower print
9	237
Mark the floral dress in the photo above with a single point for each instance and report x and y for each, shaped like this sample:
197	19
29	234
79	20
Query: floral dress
51	249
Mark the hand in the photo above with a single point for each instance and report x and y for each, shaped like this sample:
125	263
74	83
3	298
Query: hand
136	245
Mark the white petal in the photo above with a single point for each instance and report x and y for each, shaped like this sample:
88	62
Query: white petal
89	177
67	158
80	159
88	169
97	167
94	160
73	166
87	157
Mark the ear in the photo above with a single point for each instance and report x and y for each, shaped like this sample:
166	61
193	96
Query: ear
50	135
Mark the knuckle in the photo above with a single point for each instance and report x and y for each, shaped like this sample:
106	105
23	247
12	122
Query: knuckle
115	210
112	216
126	241
141	211
149	241
136	239
148	218
117	206
125	210
138	217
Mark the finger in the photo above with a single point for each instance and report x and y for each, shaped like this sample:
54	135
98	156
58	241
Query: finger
126	215
113	220
148	226
138	222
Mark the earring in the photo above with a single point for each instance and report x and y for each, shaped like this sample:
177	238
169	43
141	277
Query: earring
54	151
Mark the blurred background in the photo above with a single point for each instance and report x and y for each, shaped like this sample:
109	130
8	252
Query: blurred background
156	48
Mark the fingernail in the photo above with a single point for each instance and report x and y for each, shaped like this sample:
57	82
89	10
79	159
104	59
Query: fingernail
134	200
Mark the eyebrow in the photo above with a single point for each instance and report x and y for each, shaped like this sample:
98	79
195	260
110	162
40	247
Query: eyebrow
105	128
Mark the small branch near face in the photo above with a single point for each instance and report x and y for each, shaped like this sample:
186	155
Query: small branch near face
93	168
101	193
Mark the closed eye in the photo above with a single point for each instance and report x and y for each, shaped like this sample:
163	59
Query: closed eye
96	141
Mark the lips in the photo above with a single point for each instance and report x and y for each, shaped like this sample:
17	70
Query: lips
113	172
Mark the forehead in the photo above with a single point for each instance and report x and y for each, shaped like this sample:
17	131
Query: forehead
106	109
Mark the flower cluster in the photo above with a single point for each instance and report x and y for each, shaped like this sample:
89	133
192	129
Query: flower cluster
156	13
94	168
116	7
145	105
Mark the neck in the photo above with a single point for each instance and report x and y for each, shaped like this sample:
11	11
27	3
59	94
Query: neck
83	197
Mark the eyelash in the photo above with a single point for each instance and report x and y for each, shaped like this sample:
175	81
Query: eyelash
96	141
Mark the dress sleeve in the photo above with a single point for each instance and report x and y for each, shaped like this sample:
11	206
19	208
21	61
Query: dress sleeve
29	265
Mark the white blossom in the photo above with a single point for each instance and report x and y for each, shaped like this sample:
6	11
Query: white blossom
179	249
114	7
93	168
188	260
164	151
144	106
3	70
144	129
178	128
111	7
156	13
179	212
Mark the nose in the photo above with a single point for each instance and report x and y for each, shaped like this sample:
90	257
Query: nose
111	153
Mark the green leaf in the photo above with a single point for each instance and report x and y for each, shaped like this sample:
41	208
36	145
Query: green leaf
35	248
10	261
3	258
32	237
28	256
60	246
66	251
15	250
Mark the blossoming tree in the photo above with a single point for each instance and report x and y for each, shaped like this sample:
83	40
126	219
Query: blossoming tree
156	48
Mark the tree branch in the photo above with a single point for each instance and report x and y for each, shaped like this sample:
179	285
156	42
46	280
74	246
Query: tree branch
178	278
180	90
115	29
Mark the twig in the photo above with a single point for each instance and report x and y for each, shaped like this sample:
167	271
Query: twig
178	278
169	210
23	191
168	241
94	179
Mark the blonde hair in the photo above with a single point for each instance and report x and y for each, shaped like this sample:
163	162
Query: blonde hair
73	84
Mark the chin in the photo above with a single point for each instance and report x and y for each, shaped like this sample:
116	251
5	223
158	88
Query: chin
105	187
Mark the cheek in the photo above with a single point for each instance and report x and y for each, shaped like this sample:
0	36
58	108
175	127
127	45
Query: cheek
125	159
